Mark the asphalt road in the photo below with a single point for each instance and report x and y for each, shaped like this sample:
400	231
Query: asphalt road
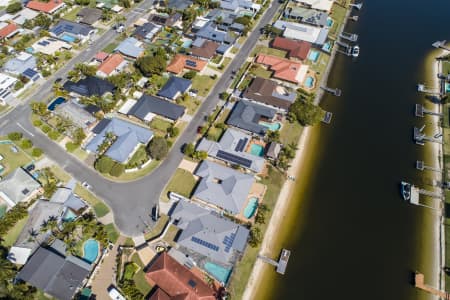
130	202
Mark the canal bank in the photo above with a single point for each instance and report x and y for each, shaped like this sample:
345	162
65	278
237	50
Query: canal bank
350	233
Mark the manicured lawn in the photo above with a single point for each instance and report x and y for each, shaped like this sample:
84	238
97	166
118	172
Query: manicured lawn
234	50
445	67
110	48
321	65
139	278
158	228
137	174
216	59
260	49
11	160
12	235
130	269
60	173
72	15
160	125
239	75
80	154
245	82
171	234
182	182
112	233
128	242
259	71
338	15
139	157
99	207
290	132
203	84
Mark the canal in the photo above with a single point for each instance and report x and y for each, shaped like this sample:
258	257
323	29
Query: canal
351	234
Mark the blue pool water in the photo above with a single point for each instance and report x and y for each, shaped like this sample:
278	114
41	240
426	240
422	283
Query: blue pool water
257	150
330	22
218	272
68	38
271	126
90	250
2	210
250	209
447	87
309	81
69	216
30	50
56	102
326	47
187	44
313	55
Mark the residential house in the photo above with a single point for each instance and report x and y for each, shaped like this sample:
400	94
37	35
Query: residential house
89	15
222	187
270	93
174	88
172	280
179	5
233	148
76	114
50	7
20	63
147	107
210	32
6	86
306	15
295	49
89	86
54	273
174	20
130	47
323	5
284	69
204	49
108	4
240	6
128	138
147	31
303	32
112	65
273	150
199	23
101	56
248	116
181	62
206	233
24	15
71	31
8	30
50	46
18	186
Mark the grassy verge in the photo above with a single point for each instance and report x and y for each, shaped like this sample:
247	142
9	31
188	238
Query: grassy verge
182	182
99	207
112	232
290	133
12	160
239	75
260	49
139	278
60	173
10	238
158	228
110	48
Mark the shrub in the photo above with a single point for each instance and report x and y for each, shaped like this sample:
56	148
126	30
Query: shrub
117	170
173	131
13	7
158	148
54	135
26	144
46	128
70	146
36	152
37	123
104	164
189	149
15	136
190	75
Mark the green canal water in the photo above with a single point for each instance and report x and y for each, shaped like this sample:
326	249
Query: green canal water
351	234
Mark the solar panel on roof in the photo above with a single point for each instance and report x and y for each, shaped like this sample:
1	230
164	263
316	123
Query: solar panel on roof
29	72
191	63
234	158
205	243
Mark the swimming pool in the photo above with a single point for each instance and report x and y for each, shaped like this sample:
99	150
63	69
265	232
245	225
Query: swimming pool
218	272
257	150
67	38
250	209
313	55
69	216
187	44
271	126
330	22
447	87
90	250
2	210
56	102
30	50
309	82
326	47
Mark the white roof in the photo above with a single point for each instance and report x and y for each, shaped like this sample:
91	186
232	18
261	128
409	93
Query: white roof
23	15
6	17
127	106
49	45
319	4
200	22
23	56
117	8
303	32
18	255
6	81
302	73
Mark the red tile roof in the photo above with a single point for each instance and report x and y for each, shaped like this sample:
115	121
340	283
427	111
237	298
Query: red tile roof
159	294
283	69
296	49
177	281
110	64
47	7
178	63
101	56
7	30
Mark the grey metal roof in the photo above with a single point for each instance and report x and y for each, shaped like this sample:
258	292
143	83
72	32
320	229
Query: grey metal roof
128	137
246	115
89	86
89	15
18	185
179	4
269	92
75	113
209	234
174	87
65	26
147	31
17	65
306	15
151	104
273	150
128	47
55	274
235	142
210	32
222	186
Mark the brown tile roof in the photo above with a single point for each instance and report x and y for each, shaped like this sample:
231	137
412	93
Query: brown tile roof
265	91
283	69
207	50
47	7
111	63
296	49
7	30
177	281
178	63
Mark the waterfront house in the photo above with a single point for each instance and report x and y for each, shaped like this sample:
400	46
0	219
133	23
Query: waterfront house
248	116
89	86
296	49
303	32
284	69
130	47
306	15
50	7
71	32
50	46
181	62
174	88
147	107
18	186
112	65
270	93
323	5
233	148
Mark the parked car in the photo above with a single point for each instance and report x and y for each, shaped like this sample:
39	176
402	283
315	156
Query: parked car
86	185
30	167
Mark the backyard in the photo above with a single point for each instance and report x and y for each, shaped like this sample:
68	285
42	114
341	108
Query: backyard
260	49
10	238
203	84
13	157
182	182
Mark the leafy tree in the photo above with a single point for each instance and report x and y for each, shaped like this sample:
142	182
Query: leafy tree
306	113
255	237
37	123
273	136
189	149
158	148
70	146
224	95
104	164
86	70
54	135
244	20
120	80
15	136
46	128
117	170
78	136
13	7
36	152
130	290
200	155
42	21
39	108
190	75
152	64
173	131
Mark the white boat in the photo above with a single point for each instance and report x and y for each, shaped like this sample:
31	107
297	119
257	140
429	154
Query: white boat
406	190
355	51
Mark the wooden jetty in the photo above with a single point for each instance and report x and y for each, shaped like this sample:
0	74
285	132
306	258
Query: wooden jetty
352	37
347	47
327	117
282	262
419	282
421	111
420	165
420	138
336	92
357	6
354	18
423	89
441	45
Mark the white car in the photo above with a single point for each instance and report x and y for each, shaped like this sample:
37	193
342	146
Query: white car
86	185
114	294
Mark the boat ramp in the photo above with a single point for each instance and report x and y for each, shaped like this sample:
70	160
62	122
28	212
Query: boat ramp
282	262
